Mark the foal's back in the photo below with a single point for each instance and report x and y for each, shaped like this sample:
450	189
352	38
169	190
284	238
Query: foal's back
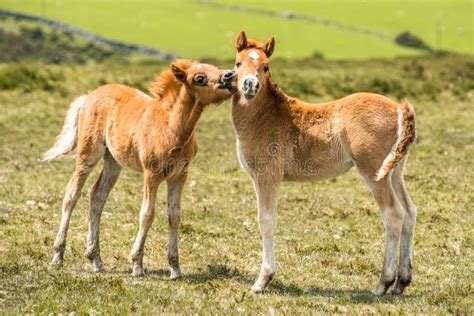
115	115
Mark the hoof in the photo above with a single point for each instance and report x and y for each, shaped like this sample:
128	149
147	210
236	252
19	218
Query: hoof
175	274
56	264
381	289
400	286
397	291
258	289
261	285
57	261
138	272
97	265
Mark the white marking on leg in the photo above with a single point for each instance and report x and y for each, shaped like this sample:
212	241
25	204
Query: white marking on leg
267	199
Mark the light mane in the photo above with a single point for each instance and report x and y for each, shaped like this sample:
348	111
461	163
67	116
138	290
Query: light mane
165	83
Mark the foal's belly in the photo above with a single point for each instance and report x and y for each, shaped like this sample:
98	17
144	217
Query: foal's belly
320	166
122	145
123	151
124	157
313	170
317	158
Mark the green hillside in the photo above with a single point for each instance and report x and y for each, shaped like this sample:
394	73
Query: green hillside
196	29
443	24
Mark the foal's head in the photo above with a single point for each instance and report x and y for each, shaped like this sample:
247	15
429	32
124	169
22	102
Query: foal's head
207	83
252	66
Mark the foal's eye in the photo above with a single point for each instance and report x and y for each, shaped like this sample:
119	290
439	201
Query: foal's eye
265	68
200	80
238	64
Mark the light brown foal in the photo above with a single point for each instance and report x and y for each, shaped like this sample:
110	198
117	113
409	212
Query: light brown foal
131	129
280	138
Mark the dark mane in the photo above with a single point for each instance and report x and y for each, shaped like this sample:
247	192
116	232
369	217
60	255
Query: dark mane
276	91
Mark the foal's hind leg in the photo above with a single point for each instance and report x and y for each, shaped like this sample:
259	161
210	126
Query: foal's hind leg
408	230
98	197
175	188
73	193
392	218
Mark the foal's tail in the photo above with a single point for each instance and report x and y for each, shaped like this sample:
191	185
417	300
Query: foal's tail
66	141
406	135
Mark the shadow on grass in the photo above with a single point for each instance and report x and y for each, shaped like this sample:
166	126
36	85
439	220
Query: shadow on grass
224	272
128	273
355	296
216	272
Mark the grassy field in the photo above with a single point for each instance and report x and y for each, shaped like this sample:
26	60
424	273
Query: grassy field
422	17
195	30
329	239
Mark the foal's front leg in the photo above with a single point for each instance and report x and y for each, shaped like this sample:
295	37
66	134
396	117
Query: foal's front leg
267	200
175	188
147	214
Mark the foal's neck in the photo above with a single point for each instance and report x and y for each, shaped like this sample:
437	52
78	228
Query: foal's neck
184	115
270	103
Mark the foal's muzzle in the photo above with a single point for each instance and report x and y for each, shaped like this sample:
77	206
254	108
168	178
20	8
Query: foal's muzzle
250	87
225	82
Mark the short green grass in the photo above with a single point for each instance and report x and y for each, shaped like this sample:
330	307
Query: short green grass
443	24
195	30
329	239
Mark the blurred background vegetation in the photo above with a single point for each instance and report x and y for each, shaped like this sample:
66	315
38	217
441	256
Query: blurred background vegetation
348	29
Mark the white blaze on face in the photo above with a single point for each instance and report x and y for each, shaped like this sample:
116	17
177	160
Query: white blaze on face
199	66
254	55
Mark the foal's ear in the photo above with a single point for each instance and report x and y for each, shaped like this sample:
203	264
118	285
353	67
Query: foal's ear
269	46
241	41
178	72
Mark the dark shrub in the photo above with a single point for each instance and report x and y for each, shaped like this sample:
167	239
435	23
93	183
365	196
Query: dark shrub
317	55
410	40
298	86
29	77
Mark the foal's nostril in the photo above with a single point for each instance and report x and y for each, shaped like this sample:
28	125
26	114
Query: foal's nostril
228	76
251	84
246	83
